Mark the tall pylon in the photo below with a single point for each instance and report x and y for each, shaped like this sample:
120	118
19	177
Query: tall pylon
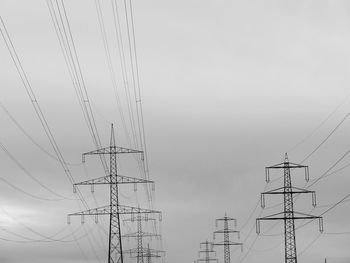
226	231
114	209
207	251
140	235
288	215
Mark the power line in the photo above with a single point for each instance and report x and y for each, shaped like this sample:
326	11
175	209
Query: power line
320	125
36	106
327	137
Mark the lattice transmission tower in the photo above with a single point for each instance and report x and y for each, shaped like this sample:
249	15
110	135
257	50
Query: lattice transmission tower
288	215
114	209
140	235
207	251
227	232
147	253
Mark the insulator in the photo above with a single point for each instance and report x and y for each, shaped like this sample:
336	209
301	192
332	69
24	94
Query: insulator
153	187
68	220
213	236
257	225
135	187
267	175
235	222
83	158
242	248
92	188
132	218
82	219
96	219
314	199
146	218
262	201
216	223
74	188
160	216
142	156
307	176
320	224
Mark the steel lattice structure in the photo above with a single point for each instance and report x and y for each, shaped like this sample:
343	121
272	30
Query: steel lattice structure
140	235
288	215
226	231
207	251
114	209
146	253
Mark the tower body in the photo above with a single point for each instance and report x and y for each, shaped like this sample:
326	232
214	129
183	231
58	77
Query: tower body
289	226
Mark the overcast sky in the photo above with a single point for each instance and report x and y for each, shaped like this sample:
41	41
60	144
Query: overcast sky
227	88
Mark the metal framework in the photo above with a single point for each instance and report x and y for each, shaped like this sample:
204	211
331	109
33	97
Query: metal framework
226	231
146	253
288	215
140	234
114	209
207	251
149	254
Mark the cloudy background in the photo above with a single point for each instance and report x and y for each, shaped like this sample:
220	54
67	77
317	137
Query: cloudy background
227	88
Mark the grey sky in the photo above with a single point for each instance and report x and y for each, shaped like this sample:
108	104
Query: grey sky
228	87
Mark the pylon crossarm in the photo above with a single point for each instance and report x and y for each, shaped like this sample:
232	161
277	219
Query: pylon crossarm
286	165
121	179
207	259
106	210
282	190
129	210
142	218
143	234
229	243
111	150
225	218
145	255
222	231
143	250
277	217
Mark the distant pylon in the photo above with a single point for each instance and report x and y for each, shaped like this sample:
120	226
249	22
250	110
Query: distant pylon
226	231
140	235
207	251
288	215
146	253
114	209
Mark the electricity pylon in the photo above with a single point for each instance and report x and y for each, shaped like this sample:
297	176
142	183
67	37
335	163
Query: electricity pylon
226	231
147	253
207	251
140	235
288	215
114	209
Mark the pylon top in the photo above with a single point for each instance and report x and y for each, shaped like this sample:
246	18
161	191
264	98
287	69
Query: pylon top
112	143
286	164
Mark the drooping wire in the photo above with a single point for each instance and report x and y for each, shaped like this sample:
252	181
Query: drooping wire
61	197
327	137
37	108
321	124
